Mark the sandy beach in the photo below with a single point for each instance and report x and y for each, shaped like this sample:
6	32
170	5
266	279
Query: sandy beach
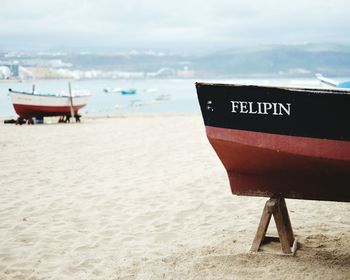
144	197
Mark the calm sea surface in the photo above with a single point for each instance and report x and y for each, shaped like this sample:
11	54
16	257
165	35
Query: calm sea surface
152	95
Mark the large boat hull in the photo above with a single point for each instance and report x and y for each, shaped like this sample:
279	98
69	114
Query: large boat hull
33	105
287	155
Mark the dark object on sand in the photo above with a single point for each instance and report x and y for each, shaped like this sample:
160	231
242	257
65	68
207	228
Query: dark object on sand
21	120
12	121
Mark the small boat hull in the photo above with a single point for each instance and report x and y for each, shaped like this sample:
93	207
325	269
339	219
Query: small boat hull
29	105
279	153
30	111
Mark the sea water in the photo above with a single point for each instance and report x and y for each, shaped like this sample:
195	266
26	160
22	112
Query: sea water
152	95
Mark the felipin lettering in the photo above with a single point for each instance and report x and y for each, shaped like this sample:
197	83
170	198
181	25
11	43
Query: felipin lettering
261	108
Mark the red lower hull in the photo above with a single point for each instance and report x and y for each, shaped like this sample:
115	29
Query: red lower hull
30	111
263	164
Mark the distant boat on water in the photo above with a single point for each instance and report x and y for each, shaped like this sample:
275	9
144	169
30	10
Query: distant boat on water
126	91
150	90
34	105
136	103
122	91
162	97
332	83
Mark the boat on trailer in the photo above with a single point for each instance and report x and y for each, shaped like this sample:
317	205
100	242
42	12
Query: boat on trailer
30	104
280	142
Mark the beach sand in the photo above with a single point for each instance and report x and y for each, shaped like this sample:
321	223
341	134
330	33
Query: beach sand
144	197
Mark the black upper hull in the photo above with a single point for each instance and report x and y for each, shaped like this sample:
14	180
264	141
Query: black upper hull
316	113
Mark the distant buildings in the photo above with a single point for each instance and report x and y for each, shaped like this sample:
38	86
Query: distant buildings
167	72
14	71
185	73
5	72
129	65
9	71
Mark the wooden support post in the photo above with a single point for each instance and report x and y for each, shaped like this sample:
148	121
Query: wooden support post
71	101
263	225
276	206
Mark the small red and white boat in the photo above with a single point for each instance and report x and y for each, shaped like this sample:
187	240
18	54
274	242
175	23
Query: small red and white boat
30	104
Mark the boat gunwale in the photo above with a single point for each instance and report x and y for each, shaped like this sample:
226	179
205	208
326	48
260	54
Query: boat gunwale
318	90
48	95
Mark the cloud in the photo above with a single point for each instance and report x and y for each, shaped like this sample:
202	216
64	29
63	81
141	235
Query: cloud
165	24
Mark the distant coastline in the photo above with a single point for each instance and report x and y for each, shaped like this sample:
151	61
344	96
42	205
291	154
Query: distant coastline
261	61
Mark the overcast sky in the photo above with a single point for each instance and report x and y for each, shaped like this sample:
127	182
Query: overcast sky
177	25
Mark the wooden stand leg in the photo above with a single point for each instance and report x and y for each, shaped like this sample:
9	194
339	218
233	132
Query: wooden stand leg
263	225
276	206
